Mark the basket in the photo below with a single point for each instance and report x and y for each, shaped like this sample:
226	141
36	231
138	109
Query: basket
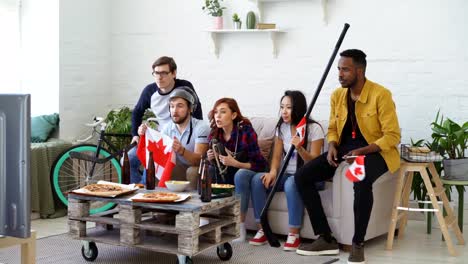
419	154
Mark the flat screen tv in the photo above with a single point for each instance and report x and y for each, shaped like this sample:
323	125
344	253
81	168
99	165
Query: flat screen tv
15	152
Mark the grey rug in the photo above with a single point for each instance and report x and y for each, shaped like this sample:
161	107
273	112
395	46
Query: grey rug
62	249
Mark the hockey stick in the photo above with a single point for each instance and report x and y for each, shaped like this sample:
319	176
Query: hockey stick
264	215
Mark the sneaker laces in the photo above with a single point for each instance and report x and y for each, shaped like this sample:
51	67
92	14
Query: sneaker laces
291	238
259	234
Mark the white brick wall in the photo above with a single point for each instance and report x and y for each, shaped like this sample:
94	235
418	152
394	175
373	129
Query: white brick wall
416	48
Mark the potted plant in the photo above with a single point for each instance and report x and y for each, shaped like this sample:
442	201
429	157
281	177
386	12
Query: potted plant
450	140
119	121
236	21
214	8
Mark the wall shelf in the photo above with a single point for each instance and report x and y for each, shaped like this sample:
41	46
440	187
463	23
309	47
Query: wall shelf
273	33
259	4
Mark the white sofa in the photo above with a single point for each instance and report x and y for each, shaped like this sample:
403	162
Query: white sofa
337	198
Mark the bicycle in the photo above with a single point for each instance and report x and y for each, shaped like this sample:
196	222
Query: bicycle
86	163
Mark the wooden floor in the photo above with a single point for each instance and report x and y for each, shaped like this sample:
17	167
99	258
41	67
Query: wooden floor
416	247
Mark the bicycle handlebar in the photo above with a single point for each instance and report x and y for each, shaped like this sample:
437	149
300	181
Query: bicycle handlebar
98	120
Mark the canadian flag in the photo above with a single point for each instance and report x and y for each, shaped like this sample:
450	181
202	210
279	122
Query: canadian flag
356	171
163	156
301	128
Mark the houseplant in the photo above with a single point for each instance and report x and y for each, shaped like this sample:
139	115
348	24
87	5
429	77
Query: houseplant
236	21
119	121
450	140
214	8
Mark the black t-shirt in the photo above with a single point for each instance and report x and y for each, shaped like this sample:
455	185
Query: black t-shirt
348	142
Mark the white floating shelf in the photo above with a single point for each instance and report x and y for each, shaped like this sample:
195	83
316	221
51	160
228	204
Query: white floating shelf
271	32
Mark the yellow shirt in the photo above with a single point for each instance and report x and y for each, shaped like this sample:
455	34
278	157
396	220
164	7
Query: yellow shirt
376	118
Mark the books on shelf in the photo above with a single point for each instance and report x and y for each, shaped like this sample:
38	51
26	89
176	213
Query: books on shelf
266	26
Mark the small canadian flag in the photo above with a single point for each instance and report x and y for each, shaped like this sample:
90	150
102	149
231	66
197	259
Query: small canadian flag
301	128
356	171
164	157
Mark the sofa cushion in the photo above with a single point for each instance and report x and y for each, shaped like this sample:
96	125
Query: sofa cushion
265	129
42	126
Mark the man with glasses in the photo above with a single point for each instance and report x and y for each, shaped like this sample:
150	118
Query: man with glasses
156	96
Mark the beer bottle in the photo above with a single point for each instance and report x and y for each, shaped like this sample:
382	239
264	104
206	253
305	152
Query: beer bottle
206	184
200	170
150	173
125	169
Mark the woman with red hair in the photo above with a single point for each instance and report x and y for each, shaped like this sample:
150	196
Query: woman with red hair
243	159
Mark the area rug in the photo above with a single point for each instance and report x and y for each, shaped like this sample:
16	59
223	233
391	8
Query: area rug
61	249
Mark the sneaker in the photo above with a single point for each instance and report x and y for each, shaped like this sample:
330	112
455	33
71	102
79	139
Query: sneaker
292	243
259	239
319	247
357	254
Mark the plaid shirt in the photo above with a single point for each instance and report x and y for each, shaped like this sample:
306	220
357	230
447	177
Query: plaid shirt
247	146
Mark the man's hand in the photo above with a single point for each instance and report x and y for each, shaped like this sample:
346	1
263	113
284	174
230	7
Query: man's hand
135	139
351	156
268	179
332	156
177	146
142	129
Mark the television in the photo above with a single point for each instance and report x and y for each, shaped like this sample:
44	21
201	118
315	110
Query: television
15	153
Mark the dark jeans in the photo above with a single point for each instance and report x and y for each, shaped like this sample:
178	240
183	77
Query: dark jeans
319	170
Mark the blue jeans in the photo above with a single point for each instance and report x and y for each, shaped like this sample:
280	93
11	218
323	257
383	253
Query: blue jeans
294	201
135	175
242	180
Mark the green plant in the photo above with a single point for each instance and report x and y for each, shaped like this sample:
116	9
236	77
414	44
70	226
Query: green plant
236	18
213	8
450	138
119	121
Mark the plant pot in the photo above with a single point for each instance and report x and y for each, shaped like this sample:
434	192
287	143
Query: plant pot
218	22
237	24
456	169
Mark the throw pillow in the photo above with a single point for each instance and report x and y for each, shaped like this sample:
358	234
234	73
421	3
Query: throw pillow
42	126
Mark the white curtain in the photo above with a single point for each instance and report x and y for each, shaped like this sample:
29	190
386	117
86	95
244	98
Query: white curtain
10	81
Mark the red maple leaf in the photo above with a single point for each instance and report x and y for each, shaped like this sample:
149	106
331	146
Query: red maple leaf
157	148
357	171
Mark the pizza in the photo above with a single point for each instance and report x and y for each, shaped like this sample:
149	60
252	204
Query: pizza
222	186
103	189
161	196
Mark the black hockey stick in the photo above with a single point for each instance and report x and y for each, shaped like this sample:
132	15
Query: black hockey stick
264	216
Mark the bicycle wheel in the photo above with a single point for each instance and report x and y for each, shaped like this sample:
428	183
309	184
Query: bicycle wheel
68	174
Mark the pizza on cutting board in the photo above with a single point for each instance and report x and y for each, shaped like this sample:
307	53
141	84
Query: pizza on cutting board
100	189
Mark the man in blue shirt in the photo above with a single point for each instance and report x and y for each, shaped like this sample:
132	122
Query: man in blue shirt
190	136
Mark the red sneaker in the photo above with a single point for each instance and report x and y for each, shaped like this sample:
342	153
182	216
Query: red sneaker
259	239
292	243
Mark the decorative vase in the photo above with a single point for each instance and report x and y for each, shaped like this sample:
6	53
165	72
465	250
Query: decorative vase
218	22
250	21
237	24
456	169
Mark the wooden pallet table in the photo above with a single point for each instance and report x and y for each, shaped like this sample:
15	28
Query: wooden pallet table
161	227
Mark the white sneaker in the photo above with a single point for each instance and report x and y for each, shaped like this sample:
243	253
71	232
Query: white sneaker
242	235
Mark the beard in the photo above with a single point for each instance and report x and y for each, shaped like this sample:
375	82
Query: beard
350	83
180	120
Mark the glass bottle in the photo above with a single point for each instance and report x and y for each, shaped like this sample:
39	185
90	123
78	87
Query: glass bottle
150	173
125	169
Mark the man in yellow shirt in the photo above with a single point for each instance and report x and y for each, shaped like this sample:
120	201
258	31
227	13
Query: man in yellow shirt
363	121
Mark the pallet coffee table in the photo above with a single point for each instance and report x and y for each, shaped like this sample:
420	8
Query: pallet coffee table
161	227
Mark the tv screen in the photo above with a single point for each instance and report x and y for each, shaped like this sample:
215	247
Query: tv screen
15	152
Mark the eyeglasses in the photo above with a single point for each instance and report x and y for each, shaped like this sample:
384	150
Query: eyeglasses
161	73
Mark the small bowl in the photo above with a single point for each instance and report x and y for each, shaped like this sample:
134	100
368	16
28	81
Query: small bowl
226	188
177	186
